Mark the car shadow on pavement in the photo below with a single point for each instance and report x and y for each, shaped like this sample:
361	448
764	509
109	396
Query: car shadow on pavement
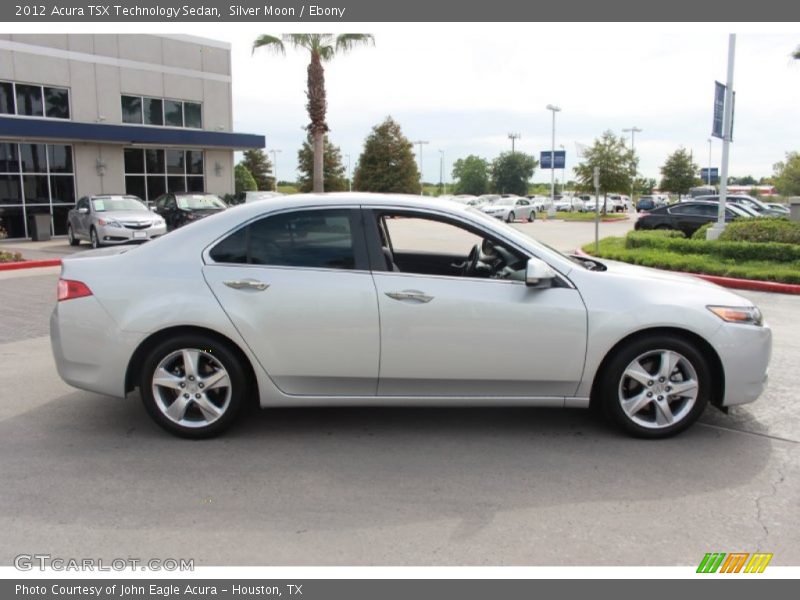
101	462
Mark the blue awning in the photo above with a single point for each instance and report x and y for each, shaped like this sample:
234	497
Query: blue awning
105	133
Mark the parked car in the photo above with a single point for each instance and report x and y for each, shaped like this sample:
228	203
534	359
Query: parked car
748	201
180	208
646	203
782	208
617	203
687	217
511	209
112	219
315	300
589	202
540	203
570	204
486	199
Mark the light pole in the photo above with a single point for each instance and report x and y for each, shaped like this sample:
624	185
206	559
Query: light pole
708	177
349	178
633	131
275	165
441	172
513	137
551	212
727	122
563	170
421	178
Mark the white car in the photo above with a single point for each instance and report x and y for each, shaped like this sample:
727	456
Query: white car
110	219
368	299
570	204
511	209
541	203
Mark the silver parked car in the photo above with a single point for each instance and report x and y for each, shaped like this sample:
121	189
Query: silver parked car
112	219
510	209
367	299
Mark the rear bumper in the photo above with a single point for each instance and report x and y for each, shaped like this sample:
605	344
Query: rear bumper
745	353
90	351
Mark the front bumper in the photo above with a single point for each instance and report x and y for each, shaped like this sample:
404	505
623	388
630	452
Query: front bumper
124	235
745	351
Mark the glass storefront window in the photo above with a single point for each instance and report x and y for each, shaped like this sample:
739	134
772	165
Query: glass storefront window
29	100
153	111
32	100
151	172
33	158
7	104
132	109
56	101
192	115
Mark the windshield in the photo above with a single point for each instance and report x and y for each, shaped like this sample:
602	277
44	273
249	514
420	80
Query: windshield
115	203
200	202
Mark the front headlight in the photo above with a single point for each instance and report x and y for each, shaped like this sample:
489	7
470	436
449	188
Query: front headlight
108	223
746	315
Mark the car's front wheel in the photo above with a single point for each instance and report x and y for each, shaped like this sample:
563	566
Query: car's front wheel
531	216
511	217
656	387
93	238
73	241
193	385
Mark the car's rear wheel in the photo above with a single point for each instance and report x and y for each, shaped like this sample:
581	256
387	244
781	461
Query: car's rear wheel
511	217
93	238
73	241
656	387
193	385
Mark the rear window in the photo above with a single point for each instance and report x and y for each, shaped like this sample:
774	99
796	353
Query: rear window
310	238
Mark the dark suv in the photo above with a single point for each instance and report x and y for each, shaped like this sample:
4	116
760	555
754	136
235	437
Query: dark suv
180	208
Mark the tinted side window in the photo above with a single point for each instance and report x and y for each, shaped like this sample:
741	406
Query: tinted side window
311	238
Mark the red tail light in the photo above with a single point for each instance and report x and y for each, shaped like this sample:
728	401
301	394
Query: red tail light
69	289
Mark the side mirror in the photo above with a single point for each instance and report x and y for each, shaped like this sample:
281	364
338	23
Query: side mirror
538	274
83	211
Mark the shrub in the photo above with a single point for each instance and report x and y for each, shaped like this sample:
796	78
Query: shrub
771	251
772	229
10	257
700	234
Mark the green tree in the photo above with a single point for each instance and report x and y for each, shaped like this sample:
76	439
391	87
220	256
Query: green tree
644	185
471	175
617	164
679	172
333	171
787	175
322	47
511	172
243	180
387	162
746	180
260	168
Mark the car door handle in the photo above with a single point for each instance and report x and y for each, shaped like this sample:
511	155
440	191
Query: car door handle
410	295
246	284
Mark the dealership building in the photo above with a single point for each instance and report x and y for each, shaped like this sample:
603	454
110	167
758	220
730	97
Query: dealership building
84	114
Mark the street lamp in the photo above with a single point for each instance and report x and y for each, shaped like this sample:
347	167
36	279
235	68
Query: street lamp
421	178
349	179
633	131
275	165
551	212
441	171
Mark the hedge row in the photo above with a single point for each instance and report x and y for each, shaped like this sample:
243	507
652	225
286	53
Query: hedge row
10	257
615	248
771	229
736	250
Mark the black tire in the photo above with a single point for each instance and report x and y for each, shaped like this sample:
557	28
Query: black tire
229	405
73	241
532	216
511	217
95	241
612	386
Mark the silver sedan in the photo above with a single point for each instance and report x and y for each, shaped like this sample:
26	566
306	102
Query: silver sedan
363	299
112	219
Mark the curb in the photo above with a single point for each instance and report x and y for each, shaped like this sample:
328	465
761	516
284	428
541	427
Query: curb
30	264
754	285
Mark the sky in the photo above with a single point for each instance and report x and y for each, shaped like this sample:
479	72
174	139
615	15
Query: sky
465	87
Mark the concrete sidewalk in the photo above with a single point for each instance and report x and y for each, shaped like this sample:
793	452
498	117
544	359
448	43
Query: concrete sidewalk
54	248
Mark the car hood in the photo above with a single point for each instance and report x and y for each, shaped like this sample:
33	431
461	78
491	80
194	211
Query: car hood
128	215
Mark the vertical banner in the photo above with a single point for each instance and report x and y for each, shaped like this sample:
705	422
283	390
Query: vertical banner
719	109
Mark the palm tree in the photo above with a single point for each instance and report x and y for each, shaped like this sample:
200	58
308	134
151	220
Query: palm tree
322	47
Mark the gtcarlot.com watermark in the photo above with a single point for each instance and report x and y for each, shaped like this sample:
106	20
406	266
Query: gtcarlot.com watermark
42	562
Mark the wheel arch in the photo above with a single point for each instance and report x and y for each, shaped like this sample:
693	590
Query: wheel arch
714	361
139	355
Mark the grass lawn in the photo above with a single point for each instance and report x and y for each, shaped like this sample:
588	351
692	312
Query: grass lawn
589	216
614	248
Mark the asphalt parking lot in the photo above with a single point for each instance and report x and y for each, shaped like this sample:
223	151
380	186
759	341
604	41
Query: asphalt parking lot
83	475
